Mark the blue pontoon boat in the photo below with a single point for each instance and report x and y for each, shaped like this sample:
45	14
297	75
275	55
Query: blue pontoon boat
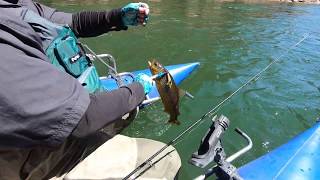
114	79
297	159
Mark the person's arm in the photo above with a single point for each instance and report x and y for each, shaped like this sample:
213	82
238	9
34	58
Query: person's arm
42	106
86	23
106	108
39	105
95	23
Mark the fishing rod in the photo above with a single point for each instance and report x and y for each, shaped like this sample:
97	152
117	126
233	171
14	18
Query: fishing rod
209	113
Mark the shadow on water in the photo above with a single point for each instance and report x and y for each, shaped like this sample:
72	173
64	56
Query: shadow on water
232	41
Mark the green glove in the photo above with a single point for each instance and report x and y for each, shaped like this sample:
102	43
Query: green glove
135	13
145	81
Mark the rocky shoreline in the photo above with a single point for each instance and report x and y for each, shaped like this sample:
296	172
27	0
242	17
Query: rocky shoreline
303	1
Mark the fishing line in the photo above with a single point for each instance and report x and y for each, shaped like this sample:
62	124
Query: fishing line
191	130
213	110
153	163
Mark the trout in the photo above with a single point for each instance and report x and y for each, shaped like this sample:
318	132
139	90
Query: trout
168	91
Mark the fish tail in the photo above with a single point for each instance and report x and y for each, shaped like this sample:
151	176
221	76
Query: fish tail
174	121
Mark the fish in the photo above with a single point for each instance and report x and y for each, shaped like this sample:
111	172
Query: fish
168	90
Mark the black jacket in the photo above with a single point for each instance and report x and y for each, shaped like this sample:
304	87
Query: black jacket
40	105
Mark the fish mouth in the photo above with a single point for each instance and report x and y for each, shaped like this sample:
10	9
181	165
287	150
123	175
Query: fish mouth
149	63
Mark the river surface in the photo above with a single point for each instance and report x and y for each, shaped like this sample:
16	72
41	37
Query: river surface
232	41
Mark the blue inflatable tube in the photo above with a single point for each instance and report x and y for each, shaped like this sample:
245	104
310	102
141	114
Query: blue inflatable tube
297	159
179	73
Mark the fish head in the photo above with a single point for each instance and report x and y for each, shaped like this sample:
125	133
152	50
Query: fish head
155	67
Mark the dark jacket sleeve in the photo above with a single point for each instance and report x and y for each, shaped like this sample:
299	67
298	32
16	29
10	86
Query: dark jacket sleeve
86	23
106	108
91	23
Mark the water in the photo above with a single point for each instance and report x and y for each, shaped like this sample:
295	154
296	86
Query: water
232	41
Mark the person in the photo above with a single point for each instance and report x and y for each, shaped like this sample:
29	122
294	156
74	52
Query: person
50	124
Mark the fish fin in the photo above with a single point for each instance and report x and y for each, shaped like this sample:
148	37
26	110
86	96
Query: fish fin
185	93
175	121
182	92
169	83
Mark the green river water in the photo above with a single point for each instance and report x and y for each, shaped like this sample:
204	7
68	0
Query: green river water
232	41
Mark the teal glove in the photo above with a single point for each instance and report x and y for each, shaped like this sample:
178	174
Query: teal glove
135	13
145	81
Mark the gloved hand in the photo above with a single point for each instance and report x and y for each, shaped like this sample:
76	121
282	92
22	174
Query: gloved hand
135	13
145	81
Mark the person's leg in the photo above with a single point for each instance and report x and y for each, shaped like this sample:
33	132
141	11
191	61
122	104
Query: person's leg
45	164
119	125
119	156
11	162
169	160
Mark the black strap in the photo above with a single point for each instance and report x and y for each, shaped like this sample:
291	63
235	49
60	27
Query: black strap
57	55
83	53
7	4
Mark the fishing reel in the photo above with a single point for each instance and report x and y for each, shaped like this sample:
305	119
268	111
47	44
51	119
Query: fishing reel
211	149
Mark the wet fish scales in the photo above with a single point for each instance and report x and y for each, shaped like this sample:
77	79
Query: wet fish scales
168	91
